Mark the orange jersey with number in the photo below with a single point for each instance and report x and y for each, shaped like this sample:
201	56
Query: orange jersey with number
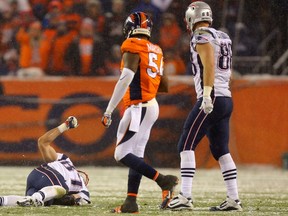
145	83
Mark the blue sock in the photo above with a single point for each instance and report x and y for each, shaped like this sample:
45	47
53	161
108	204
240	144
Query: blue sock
138	165
134	179
1	201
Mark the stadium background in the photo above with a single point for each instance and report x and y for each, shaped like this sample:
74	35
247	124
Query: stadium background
31	105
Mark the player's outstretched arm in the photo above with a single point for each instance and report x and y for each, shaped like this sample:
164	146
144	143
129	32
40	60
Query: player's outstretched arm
47	151
131	62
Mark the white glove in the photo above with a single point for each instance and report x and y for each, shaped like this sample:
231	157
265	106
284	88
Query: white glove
106	119
81	201
71	122
206	105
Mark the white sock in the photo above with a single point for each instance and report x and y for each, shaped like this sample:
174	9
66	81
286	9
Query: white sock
49	192
10	200
229	172
188	166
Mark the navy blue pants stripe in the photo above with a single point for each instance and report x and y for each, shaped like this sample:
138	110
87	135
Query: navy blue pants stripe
129	134
215	125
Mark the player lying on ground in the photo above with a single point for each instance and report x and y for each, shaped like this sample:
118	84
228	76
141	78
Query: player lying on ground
57	181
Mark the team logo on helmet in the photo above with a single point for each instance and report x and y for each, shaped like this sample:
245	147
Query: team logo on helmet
137	23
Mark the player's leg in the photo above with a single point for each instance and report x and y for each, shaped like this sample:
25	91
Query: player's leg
125	149
219	139
44	195
134	178
10	200
166	183
43	184
41	177
194	130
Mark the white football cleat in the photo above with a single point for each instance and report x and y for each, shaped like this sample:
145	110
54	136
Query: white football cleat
30	201
180	202
228	205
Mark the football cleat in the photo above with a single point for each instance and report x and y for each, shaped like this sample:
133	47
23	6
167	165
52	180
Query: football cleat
180	203
30	201
128	206
167	185
228	205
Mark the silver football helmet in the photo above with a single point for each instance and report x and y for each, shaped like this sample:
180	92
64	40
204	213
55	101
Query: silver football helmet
198	12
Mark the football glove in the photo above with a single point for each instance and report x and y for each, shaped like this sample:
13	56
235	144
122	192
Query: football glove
81	201
71	122
206	105
106	119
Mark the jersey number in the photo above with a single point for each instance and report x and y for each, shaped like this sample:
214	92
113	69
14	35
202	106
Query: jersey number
70	167
153	68
225	58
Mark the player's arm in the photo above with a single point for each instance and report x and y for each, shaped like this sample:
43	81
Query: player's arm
81	198
131	62
163	87
47	151
206	53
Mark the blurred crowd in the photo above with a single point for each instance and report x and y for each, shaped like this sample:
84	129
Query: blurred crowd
80	37
83	37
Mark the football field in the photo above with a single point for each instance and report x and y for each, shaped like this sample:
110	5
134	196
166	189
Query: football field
263	191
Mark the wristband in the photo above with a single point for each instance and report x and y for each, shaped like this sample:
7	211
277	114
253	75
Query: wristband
62	127
207	91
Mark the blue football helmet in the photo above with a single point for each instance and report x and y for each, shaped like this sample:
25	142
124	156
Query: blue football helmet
137	23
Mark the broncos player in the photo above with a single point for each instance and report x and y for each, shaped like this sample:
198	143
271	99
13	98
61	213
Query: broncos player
211	58
141	78
57	182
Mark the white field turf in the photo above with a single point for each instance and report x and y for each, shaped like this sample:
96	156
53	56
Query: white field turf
263	191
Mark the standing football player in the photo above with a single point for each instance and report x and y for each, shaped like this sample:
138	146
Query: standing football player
211	58
57	182
140	80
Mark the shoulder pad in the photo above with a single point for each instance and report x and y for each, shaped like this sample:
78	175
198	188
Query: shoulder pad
203	35
204	31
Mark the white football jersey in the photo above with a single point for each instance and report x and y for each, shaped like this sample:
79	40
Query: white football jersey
73	180
223	59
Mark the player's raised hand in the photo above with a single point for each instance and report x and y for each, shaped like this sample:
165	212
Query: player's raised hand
207	105
106	119
71	122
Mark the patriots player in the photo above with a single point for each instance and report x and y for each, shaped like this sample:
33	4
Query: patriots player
57	182
211	58
141	78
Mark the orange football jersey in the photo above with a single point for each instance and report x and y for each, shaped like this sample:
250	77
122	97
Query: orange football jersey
145	83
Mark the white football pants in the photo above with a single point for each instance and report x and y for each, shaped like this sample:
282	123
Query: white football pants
134	129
